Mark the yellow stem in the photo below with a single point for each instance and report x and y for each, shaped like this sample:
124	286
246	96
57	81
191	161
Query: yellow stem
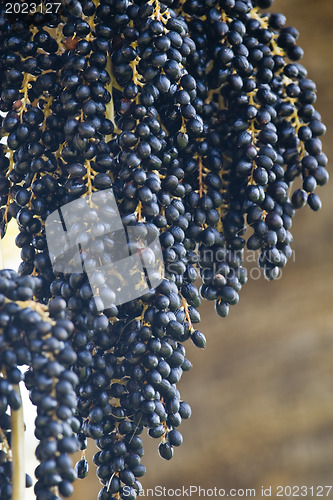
36	306
200	177
264	24
136	75
17	427
187	313
4	443
89	178
138	212
111	85
157	12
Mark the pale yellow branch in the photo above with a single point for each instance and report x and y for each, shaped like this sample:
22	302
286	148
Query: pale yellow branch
17	426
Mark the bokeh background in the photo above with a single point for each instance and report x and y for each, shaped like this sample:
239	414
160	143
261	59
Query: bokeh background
262	391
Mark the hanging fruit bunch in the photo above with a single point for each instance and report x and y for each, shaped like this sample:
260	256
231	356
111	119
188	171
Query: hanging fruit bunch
199	117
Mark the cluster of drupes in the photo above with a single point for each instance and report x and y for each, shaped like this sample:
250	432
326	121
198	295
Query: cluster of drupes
199	117
38	337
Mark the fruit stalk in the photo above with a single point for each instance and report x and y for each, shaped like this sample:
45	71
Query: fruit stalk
17	424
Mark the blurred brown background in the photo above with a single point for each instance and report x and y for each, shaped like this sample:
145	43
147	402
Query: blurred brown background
262	390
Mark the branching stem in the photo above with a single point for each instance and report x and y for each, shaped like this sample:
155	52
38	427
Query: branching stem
110	86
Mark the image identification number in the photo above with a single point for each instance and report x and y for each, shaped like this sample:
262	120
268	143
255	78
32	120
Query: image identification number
302	491
32	8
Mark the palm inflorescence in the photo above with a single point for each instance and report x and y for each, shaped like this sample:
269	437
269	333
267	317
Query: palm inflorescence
199	117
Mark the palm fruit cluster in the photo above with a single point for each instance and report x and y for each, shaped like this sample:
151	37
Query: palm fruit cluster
199	117
37	336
